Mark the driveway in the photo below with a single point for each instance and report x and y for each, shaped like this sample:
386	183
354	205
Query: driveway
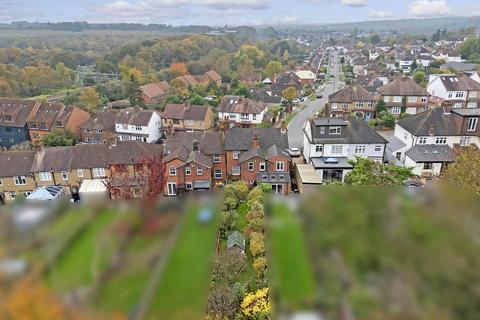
310	108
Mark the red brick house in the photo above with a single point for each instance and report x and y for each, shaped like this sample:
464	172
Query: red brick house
259	156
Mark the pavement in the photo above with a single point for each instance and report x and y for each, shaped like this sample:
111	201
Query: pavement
310	108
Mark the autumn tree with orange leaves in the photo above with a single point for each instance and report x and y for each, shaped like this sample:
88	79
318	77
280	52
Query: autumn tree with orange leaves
178	69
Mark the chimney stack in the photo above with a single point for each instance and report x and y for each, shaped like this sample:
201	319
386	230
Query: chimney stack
447	107
255	140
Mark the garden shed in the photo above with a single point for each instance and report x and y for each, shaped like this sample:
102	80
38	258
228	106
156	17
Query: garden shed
236	241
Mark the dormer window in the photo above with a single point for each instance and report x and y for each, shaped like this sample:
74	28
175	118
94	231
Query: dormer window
59	124
335	130
99	131
33	125
322	130
43	126
8	118
87	130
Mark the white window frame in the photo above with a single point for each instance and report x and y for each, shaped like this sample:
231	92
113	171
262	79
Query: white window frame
199	171
441	140
172	171
45	176
262	166
422	140
64	175
236	154
20	180
80	173
360	149
188	171
465	141
13	195
396	110
280	166
322	130
138	128
337	149
319	148
217	158
335	130
188	186
251	166
218	174
98	172
236	170
377	148
472	124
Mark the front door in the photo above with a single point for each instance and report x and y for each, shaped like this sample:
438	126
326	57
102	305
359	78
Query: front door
172	189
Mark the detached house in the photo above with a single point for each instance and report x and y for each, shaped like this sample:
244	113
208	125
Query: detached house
259	156
461	90
47	117
194	161
330	143
139	125
186	117
404	95
13	120
15	175
153	93
241	111
350	100
428	135
99	129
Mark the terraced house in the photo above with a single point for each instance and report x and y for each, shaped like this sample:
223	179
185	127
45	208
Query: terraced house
194	161
404	95
351	100
13	120
258	155
47	117
15	175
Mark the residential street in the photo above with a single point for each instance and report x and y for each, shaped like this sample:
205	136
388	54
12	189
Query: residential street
295	127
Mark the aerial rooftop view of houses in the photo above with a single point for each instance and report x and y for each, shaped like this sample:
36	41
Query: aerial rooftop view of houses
221	160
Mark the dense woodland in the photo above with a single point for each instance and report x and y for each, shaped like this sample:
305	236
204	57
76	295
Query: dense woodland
41	65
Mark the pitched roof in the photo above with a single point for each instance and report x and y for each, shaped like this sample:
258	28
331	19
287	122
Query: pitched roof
153	90
184	112
89	156
180	153
238	104
240	139
103	120
236	239
134	117
131	152
430	153
402	86
459	83
350	94
200	158
252	77
252	153
16	163
210	143
54	159
213	75
356	131
263	96
17	109
433	121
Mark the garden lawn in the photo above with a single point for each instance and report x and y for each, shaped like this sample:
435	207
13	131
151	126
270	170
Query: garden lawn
292	277
242	211
184	285
74	268
124	290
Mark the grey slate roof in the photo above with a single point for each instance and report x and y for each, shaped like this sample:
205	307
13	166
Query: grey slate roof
183	112
240	139
200	158
252	153
433	119
210	143
430	153
356	131
238	104
103	120
53	159
459	83
134	117
18	109
467	112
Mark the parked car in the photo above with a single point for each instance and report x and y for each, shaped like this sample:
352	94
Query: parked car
296	101
319	96
294	152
